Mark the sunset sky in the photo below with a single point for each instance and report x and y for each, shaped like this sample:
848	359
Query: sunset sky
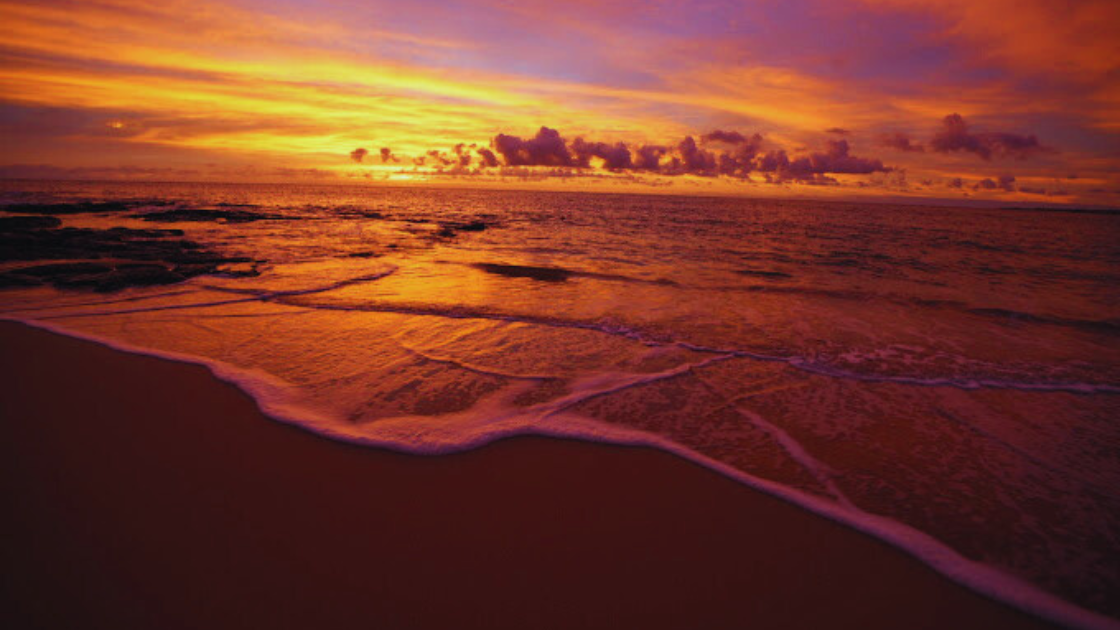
1004	100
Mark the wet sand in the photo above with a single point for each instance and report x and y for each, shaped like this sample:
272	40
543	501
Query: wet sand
143	493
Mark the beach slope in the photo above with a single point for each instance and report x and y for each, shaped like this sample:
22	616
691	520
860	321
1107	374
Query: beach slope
144	493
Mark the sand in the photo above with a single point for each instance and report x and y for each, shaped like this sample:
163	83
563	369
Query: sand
142	493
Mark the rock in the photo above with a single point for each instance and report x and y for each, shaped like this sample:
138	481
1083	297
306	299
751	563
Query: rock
203	214
450	228
237	270
111	259
544	274
65	269
764	273
136	275
8	224
13	280
78	207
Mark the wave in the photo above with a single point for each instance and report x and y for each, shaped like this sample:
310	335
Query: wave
133	298
433	438
478	312
967	383
1000	314
1106	325
299	298
963	382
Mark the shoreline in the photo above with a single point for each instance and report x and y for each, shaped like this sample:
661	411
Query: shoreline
175	500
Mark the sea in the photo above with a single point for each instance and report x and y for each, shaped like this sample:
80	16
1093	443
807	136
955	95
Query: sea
946	379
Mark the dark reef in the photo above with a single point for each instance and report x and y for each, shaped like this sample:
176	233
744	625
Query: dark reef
764	273
545	274
201	214
77	207
449	229
104	260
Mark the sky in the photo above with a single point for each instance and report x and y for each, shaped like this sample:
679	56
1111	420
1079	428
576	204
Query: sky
959	100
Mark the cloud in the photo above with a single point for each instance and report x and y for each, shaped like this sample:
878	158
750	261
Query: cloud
695	160
740	161
489	160
358	154
837	158
440	158
726	137
734	155
840	131
547	148
387	156
126	172
1072	40
901	142
648	157
955	136
463	156
1003	182
616	157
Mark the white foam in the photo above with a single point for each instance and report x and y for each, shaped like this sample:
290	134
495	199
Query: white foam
422	436
797	451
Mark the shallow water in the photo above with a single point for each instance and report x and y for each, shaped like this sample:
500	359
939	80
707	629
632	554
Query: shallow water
955	370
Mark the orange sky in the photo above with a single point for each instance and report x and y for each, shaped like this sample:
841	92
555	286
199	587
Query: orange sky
824	98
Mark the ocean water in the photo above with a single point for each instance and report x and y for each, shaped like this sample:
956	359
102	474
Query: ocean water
945	378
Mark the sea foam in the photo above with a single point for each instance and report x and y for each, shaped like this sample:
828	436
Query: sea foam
425	436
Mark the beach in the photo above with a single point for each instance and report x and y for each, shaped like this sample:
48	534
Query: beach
147	493
330	314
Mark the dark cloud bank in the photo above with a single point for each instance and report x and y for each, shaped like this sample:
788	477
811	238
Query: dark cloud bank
726	153
718	153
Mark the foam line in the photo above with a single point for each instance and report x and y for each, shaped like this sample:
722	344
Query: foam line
460	312
816	468
794	449
151	309
595	387
986	580
136	298
471	367
266	296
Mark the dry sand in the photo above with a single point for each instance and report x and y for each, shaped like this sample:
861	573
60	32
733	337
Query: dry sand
142	493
